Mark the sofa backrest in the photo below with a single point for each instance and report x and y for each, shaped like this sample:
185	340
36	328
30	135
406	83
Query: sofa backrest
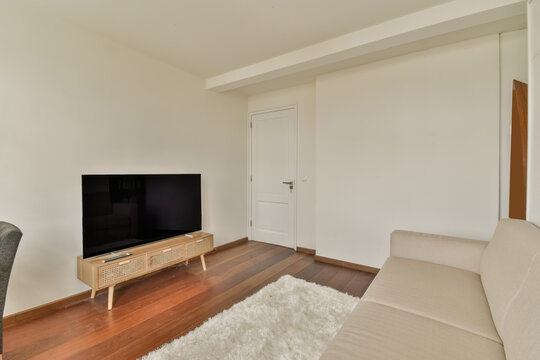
510	273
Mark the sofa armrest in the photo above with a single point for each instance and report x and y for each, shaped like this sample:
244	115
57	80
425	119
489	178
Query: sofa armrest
445	250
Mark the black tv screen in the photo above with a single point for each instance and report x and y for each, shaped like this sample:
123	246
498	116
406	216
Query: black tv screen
122	211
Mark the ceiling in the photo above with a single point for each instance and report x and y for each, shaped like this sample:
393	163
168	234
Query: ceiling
210	37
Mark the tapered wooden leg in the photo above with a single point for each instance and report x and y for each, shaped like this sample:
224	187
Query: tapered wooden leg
187	262
203	264
92	295
111	296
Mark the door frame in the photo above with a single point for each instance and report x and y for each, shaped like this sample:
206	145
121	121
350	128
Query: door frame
250	183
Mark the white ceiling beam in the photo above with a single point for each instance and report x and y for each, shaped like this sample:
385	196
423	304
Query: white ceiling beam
435	21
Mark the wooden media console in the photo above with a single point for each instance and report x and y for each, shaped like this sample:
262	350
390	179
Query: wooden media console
144	260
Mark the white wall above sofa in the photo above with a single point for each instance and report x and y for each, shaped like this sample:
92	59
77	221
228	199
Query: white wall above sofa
410	143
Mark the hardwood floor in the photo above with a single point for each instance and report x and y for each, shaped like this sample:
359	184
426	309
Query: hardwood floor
156	309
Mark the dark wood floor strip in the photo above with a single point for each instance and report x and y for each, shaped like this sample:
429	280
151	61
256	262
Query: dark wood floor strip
214	305
341	279
157	309
139	294
308	273
172	325
358	284
144	319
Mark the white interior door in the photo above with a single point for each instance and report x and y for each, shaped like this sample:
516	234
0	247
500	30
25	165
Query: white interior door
273	177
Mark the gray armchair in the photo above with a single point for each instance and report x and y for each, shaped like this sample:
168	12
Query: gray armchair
10	236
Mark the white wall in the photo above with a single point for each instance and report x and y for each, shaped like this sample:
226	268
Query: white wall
513	53
303	97
410	143
73	103
533	167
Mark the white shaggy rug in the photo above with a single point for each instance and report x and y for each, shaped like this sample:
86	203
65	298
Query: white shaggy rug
288	319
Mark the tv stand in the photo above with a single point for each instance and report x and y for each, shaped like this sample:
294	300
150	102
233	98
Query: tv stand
143	260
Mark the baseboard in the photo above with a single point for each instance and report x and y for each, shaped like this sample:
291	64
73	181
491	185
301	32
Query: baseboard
231	244
305	250
42	310
346	264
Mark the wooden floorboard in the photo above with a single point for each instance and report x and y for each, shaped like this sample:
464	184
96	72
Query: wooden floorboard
157	309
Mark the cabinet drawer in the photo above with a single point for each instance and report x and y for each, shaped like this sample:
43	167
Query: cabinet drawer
200	246
161	258
121	271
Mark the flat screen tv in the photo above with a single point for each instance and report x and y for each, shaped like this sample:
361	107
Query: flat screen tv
122	211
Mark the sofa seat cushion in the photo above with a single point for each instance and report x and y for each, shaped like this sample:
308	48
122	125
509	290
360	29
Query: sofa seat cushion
378	332
446	294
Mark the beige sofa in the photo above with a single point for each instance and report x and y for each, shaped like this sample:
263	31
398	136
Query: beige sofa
445	298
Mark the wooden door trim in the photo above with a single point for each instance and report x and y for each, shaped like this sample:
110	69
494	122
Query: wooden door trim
518	153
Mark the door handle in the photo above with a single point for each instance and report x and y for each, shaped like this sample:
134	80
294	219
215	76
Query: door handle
290	183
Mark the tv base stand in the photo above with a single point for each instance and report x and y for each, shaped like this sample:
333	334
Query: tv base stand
144	259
